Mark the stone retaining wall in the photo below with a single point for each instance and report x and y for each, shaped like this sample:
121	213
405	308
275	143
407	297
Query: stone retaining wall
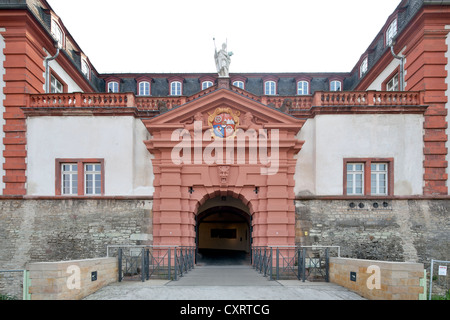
70	280
387	230
396	281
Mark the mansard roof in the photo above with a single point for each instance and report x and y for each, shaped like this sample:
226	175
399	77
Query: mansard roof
404	13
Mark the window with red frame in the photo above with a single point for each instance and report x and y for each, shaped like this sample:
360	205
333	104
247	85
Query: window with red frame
80	177
368	177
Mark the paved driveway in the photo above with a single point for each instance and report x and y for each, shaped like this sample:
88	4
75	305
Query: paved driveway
223	283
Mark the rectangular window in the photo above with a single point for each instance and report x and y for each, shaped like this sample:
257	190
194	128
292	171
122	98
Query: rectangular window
93	179
69	178
369	177
355	178
392	84
79	177
378	178
55	85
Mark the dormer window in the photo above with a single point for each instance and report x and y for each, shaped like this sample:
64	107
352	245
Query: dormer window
391	32
57	33
144	88
363	67
113	87
335	85
175	88
239	84
302	88
85	69
206	84
270	88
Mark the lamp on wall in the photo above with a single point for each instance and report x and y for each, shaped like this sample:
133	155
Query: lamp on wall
191	190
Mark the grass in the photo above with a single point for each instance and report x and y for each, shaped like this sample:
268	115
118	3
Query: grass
7	297
445	297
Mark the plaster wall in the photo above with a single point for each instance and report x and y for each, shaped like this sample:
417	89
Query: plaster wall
117	140
383	76
71	85
329	139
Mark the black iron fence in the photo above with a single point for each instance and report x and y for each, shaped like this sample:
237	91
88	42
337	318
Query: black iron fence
158	262
294	262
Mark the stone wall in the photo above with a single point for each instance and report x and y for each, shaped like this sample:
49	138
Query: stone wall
69	229
390	230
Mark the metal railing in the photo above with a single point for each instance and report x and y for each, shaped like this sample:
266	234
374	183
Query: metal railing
439	275
144	262
293	262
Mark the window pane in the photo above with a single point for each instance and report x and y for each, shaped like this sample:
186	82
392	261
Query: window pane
69	179
93	179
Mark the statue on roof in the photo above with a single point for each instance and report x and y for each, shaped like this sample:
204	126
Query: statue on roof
223	60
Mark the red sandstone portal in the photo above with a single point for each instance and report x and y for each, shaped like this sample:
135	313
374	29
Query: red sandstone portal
180	189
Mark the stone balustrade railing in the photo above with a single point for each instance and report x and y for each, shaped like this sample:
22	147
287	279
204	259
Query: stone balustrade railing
286	103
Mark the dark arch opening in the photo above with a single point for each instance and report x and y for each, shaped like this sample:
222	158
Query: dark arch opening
223	235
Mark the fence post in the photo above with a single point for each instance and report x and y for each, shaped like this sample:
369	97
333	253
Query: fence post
169	266
278	263
120	264
304	265
147	264
431	279
26	285
143	265
175	264
327	265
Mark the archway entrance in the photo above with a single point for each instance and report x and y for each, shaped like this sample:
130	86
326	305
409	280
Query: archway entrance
223	234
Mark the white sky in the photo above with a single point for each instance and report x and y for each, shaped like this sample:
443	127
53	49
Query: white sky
265	36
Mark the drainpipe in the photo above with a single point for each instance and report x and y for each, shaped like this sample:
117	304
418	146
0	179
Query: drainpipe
47	70
402	67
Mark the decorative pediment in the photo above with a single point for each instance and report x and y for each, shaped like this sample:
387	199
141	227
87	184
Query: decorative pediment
232	108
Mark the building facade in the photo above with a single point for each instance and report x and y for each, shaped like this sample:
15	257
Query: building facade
356	159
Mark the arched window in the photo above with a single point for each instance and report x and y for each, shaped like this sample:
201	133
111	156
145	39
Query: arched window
175	88
144	88
391	32
113	86
363	67
206	84
57	33
335	85
85	69
270	88
302	88
239	84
